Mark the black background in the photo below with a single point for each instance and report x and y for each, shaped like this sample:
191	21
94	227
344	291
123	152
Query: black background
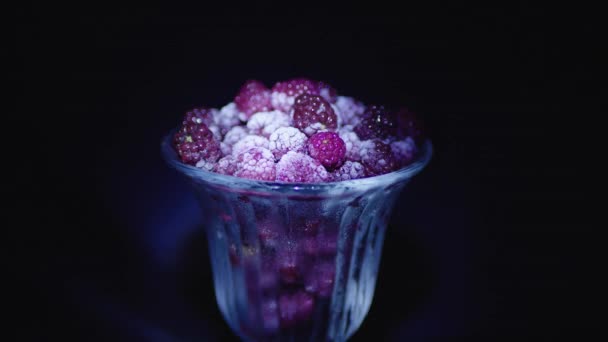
109	245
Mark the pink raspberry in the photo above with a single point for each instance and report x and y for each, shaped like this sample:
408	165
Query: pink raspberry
327	92
295	167
311	114
227	117
264	123
350	110
284	93
248	142
377	123
226	165
253	97
195	142
404	151
287	139
377	158
350	170
256	163
235	134
327	148
200	115
351	141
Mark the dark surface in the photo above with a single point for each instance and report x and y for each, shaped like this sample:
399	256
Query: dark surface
481	242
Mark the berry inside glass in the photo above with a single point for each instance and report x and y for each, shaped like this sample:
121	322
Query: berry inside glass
296	184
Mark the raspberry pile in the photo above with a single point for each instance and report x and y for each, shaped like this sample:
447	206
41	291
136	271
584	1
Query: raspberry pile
300	130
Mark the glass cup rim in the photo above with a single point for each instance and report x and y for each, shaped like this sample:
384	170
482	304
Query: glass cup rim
169	154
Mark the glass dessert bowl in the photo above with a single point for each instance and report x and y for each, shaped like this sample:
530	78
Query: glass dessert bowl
292	260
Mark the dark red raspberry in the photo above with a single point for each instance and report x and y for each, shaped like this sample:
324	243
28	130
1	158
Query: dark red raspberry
200	116
377	158
284	93
312	113
377	123
253	97
327	148
409	125
195	142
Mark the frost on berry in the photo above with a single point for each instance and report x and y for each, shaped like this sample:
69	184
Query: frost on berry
264	123
235	134
195	142
248	142
256	163
217	134
348	171
351	141
284	93
312	114
327	91
226	165
404	151
377	157
287	139
295	167
205	165
327	148
349	110
227	117
253	97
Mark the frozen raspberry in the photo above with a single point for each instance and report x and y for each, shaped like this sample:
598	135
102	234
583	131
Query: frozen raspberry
226	165
235	134
311	114
377	157
195	142
295	167
248	142
253	97
217	134
377	122
327	92
287	139
227	117
349	110
409	125
284	93
327	148
351	141
350	170
205	165
404	151
200	115
256	163
264	123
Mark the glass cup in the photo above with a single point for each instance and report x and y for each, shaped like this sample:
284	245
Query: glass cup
295	262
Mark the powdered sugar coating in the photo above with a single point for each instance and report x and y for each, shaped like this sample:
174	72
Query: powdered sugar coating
287	139
351	141
295	167
404	150
349	110
256	163
348	171
226	165
264	123
227	117
248	142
